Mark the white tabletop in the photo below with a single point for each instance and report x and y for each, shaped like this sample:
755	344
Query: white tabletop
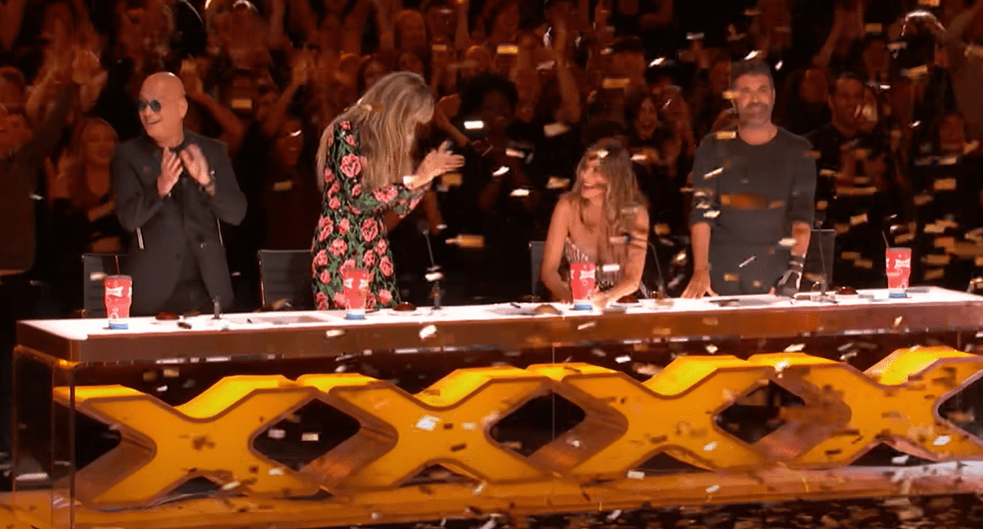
81	329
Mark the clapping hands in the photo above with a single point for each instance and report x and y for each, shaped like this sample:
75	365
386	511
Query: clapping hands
435	164
192	160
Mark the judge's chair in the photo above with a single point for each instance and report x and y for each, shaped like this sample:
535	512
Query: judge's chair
285	279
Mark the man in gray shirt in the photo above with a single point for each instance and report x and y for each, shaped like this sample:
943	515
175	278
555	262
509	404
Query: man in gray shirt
753	191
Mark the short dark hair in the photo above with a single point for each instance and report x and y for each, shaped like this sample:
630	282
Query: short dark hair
474	92
845	76
750	67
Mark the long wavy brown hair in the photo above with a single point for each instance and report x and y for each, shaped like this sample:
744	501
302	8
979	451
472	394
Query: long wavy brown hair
385	119
622	200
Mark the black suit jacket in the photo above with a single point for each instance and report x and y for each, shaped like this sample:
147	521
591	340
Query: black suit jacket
165	229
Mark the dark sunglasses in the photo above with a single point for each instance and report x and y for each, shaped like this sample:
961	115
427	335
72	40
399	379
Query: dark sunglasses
153	104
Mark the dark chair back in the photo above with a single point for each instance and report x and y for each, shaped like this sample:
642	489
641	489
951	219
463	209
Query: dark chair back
285	276
95	268
535	263
819	259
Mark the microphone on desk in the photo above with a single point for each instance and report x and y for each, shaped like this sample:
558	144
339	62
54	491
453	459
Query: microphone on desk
433	273
626	238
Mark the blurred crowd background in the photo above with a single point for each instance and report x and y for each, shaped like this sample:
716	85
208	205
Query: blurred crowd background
891	100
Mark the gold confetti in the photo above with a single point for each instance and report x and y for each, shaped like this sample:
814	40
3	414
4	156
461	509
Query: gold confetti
507	49
726	134
555	129
937	260
944	184
935	273
787	242
732	277
309	437
661	229
428	331
864	263
615	83
474	125
556	182
452	179
795	348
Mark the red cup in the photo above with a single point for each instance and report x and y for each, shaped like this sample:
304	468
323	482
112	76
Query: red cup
118	296
356	288
898	271
582	277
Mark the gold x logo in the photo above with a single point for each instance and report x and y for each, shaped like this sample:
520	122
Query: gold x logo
162	447
448	424
674	410
895	402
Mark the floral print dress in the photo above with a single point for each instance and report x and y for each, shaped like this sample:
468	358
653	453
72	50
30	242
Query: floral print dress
350	232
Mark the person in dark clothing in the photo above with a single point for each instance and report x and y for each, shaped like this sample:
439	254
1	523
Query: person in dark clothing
173	189
852	192
752	210
21	155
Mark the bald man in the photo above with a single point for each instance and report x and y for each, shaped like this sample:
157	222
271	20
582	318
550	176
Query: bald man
173	189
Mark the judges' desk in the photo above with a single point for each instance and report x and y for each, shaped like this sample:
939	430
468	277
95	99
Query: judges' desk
305	419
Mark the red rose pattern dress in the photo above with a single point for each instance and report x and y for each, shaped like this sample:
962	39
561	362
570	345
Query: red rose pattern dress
351	232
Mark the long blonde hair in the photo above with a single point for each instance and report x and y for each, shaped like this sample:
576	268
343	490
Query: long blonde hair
622	200
385	119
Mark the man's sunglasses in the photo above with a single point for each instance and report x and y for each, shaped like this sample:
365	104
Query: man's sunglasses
154	105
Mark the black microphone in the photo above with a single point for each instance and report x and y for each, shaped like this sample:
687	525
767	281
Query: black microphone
627	237
434	271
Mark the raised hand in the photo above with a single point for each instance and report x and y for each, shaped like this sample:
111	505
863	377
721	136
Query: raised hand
196	164
437	163
170	171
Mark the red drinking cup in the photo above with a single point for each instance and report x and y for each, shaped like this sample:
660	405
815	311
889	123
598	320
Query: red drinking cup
118	296
582	278
898	271
356	288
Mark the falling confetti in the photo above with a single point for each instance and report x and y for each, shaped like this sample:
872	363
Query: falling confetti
427	422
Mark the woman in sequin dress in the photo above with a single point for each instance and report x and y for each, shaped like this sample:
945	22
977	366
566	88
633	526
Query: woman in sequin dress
602	220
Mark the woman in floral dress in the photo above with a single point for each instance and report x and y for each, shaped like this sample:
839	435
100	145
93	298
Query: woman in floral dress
364	159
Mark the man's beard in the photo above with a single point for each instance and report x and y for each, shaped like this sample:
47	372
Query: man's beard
755	114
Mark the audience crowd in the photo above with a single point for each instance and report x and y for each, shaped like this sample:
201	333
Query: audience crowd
889	98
